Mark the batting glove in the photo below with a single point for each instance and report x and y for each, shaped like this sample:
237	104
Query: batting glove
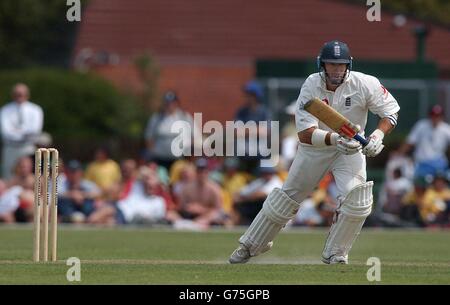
375	145
345	145
348	146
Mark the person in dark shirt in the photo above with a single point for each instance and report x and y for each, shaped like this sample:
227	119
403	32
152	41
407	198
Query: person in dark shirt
252	111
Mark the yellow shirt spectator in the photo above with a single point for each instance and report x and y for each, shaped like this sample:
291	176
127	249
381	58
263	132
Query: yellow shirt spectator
235	182
176	169
429	204
103	171
105	174
232	184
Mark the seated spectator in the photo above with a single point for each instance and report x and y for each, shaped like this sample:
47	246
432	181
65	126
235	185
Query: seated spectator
319	208
76	195
314	214
163	191
176	168
17	202
327	210
250	199
399	160
5	215
233	181
186	176
308	214
394	190
61	172
440	194
22	171
121	189
215	167
327	200
129	174
422	206
162	172
145	203
201	200
103	171
6	208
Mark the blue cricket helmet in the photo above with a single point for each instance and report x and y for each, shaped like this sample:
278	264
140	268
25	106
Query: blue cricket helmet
334	51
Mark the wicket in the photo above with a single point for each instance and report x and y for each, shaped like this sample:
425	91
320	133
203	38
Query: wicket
45	158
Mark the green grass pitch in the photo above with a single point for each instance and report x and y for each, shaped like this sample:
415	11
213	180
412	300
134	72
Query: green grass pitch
158	256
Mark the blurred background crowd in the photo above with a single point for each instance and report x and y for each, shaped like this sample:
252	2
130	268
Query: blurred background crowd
157	187
105	92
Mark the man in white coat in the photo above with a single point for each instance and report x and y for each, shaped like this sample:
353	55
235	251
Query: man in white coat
321	150
21	123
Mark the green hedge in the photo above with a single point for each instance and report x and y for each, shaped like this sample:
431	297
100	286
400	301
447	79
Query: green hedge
81	109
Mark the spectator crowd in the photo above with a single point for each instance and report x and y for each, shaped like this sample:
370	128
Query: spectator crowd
196	192
416	190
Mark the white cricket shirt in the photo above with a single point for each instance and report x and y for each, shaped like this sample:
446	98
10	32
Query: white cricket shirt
358	94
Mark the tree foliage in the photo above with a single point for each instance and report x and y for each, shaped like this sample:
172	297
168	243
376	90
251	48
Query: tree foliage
35	32
77	104
437	11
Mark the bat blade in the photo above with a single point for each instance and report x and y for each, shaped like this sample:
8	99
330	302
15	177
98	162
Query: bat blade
333	119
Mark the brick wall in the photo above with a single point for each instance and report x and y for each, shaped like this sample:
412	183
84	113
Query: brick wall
214	90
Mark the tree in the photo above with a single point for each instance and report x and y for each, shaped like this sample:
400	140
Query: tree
431	10
80	109
35	32
437	11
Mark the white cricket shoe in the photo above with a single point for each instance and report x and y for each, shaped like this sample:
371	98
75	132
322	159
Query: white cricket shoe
336	259
241	255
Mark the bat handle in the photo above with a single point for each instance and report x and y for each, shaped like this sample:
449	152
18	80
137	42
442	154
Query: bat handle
361	140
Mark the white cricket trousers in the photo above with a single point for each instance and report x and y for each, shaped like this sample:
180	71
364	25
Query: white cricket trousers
311	164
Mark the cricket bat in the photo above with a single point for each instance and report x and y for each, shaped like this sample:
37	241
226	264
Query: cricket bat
333	119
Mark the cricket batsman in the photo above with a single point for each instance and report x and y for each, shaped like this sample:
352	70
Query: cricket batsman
322	150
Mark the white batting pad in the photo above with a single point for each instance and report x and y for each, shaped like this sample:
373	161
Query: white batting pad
349	219
277	210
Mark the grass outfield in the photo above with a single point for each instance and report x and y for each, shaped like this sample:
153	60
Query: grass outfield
150	256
